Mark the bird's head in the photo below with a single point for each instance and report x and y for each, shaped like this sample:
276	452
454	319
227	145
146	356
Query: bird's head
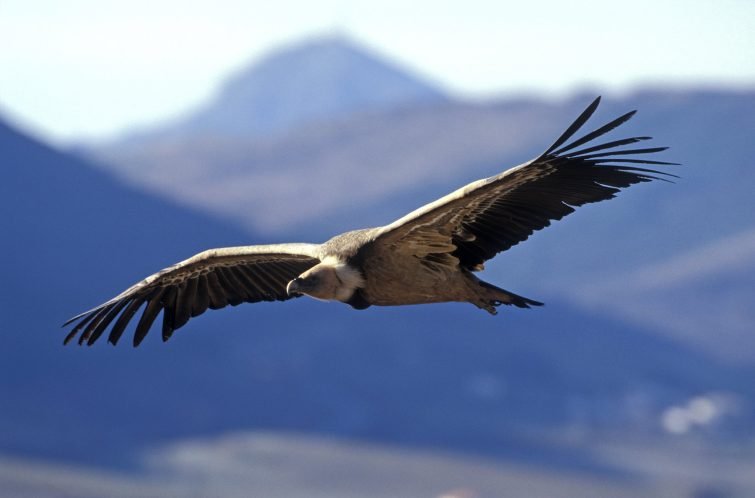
328	281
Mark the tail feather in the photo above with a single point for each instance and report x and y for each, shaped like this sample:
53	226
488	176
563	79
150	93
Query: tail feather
493	296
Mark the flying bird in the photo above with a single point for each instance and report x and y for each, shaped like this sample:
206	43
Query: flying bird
428	256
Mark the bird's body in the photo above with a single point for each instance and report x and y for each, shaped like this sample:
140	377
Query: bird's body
428	256
391	279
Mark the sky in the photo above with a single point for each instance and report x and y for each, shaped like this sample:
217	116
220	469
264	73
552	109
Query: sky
86	69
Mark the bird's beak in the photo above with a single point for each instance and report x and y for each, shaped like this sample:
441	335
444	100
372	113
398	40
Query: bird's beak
293	288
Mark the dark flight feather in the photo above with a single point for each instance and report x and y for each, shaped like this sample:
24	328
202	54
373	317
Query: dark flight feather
574	127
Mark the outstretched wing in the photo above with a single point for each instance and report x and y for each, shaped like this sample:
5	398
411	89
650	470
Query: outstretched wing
211	279
473	224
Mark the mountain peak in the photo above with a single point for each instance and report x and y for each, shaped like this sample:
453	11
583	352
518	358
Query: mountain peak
311	81
317	46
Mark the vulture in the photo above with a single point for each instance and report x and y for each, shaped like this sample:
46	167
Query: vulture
428	256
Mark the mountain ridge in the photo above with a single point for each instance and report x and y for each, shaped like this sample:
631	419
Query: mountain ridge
311	81
410	375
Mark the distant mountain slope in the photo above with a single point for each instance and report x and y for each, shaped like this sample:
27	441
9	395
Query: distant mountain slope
71	237
704	295
313	81
411	157
354	162
444	376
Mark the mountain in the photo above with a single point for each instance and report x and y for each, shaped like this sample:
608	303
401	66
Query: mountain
442	376
309	82
65	222
383	164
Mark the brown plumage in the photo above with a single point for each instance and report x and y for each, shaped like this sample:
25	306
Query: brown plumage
427	256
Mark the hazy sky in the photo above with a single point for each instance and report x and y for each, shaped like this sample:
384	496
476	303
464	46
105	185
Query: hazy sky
72	68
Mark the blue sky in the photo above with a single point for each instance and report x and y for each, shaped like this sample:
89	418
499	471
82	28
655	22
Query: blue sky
84	68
